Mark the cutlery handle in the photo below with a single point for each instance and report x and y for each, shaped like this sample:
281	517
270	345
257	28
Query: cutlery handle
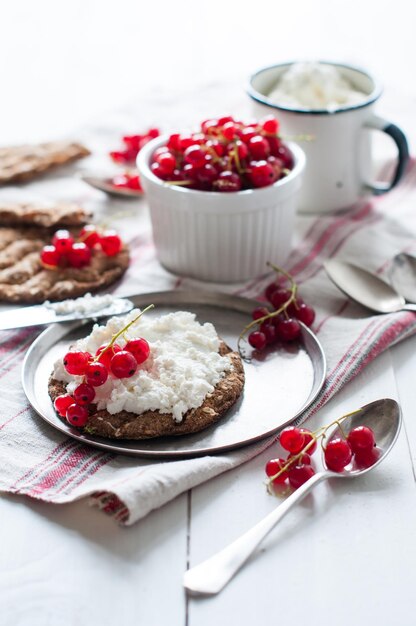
210	576
409	307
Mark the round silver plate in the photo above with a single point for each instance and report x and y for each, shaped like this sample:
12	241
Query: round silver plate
278	388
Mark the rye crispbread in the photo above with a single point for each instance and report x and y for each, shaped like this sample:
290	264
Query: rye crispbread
22	163
22	276
151	424
52	215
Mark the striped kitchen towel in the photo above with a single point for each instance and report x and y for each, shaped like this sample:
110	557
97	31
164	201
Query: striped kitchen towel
41	463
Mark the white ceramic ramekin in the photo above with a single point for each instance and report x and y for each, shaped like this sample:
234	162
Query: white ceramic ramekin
221	237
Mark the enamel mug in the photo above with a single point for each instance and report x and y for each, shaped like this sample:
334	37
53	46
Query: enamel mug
338	146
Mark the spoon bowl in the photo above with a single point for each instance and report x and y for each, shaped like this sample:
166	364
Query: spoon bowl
382	416
105	185
366	288
384	419
402	275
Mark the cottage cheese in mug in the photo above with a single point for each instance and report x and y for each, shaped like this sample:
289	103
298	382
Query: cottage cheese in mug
315	86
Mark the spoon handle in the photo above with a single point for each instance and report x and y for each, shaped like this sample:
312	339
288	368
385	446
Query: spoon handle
210	576
409	307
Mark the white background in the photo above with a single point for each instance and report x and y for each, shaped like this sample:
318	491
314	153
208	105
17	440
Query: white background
66	63
63	62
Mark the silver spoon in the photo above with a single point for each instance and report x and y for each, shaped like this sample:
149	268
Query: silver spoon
366	288
402	275
208	578
105	184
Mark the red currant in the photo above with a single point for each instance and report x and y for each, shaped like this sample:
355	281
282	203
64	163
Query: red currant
292	439
96	374
194	155
308	438
173	142
121	181
299	475
62	240
270	125
279	297
79	255
286	156
229	130
273	467
288	329
228	181
123	364
261	174
269	291
257	340
247	133
305	314
159	171
258	147
111	243
259	312
62	403
215	146
274	145
337	454
361	438
367	458
206	175
167	162
50	256
105	357
84	394
134	183
89	235
304	458
76	362
77	415
139	348
186	141
269	331
121	156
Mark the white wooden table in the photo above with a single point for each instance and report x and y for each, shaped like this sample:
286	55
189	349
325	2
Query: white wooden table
346	556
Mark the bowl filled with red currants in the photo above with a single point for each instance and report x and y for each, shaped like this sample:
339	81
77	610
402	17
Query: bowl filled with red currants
222	199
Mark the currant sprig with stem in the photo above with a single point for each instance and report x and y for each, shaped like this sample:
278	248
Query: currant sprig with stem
319	434
257	322
122	332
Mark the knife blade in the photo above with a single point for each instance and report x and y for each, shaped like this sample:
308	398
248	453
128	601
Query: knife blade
40	314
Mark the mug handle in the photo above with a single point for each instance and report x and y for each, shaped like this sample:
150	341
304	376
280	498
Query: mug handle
399	138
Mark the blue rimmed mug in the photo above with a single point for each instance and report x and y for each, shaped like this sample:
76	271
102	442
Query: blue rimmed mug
338	148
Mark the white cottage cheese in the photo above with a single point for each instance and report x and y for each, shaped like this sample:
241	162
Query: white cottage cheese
85	304
183	367
314	86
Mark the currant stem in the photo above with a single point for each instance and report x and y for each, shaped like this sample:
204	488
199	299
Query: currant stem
320	433
257	322
122	331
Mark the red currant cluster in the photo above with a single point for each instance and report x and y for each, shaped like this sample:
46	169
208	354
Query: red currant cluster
109	359
132	146
67	251
127	156
225	155
126	180
282	322
359	446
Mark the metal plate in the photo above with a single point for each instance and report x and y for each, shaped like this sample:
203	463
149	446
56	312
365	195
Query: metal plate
278	388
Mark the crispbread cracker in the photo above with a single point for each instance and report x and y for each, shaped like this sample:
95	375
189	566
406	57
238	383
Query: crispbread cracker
125	425
21	163
23	279
52	215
